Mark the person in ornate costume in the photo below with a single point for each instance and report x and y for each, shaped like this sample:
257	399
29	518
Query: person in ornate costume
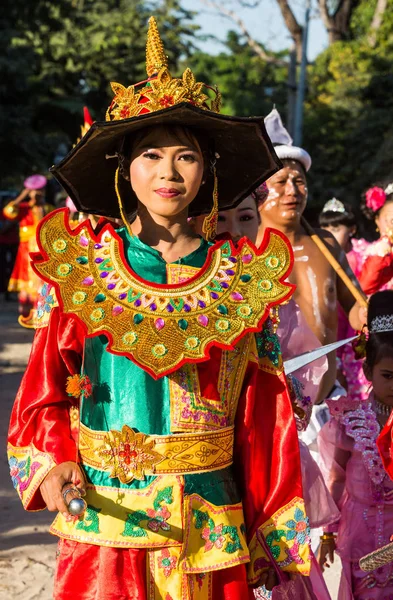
159	337
354	468
28	209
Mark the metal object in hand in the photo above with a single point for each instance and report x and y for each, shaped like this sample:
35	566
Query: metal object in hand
76	506
378	558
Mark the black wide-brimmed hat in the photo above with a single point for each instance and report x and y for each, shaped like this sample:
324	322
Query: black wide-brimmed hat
244	154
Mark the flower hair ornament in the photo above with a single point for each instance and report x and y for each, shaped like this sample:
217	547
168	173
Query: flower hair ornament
376	197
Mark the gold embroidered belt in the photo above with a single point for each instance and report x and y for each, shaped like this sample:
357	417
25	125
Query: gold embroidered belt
129	455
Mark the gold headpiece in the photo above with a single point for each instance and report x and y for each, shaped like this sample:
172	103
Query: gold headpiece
161	90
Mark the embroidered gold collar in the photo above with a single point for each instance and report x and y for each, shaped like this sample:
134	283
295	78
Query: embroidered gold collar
160	327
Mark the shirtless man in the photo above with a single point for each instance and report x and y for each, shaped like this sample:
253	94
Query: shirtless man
318	287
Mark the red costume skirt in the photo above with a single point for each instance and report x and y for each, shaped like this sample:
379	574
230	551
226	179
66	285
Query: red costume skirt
87	572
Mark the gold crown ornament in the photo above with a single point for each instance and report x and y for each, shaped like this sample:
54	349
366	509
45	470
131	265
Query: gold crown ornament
241	154
160	90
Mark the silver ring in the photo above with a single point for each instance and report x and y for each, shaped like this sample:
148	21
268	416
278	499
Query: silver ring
67	491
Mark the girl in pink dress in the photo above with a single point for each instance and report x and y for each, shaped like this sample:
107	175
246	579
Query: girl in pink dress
354	469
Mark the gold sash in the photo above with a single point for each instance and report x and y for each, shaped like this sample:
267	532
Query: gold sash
129	455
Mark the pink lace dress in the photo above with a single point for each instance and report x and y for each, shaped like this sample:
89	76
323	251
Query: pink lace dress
364	493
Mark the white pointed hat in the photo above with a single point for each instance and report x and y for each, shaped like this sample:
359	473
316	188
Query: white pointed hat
282	141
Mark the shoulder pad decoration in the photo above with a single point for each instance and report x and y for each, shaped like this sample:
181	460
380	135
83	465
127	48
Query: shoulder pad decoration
161	327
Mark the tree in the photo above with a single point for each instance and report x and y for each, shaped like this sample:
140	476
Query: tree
349	110
248	85
59	56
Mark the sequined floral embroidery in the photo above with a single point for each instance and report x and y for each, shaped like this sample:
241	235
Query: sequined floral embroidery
22	472
298	531
128	454
156	518
167	562
46	301
298	527
268	346
216	536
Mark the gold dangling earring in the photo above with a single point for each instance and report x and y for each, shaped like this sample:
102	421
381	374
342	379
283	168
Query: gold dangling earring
120	203
209	227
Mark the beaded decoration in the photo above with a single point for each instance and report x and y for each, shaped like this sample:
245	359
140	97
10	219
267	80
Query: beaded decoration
381	323
161	327
360	422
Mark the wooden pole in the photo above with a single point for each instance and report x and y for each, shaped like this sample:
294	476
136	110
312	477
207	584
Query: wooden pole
359	296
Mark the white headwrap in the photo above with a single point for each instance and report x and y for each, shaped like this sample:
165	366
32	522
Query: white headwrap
280	136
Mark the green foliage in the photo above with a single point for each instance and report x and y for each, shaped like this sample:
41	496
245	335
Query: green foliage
248	85
58	56
349	109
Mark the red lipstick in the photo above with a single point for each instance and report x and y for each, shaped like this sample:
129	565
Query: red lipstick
167	192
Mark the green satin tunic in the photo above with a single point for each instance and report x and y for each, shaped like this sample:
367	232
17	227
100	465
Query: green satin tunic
124	394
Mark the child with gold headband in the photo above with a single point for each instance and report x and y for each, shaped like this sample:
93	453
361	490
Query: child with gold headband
150	390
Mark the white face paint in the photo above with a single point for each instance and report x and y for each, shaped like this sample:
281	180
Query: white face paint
301	258
273	194
297	248
329	294
312	278
269	204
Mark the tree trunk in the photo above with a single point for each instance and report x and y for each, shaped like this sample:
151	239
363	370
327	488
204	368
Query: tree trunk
293	26
338	23
377	21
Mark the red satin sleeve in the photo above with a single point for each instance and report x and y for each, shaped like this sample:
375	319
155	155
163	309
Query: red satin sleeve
376	272
40	432
267	466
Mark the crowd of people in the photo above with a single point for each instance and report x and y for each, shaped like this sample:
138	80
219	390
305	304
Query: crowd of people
158	415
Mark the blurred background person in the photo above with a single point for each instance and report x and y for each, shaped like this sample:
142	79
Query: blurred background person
27	209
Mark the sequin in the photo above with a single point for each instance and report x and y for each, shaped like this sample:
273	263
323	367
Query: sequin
130	338
244	311
82	260
100	298
183	324
272	262
237	297
64	269
159	350
97	315
223	325
203	320
222	309
192	343
89	280
265	285
59	246
159	324
79	297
